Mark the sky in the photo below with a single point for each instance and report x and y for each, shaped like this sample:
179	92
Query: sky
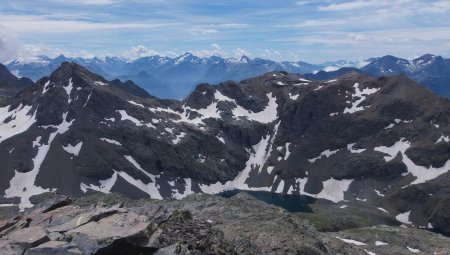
306	30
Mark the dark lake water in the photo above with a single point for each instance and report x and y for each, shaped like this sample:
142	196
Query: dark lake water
291	203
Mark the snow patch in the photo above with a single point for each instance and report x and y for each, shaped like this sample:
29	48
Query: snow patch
326	153
421	173
379	243
379	193
104	187
350	148
220	139
293	97
187	190
46	87
178	138
257	159
124	116
37	142
319	87
413	250
134	103
19	121
68	90
404	217
73	149
7	205
111	141
333	190
350	241
267	115
23	184
382	209
288	153
303	80
100	83
443	138
87	100
361	94
149	188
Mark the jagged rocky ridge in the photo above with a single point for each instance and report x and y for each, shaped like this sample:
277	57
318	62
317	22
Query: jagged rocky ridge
198	224
384	141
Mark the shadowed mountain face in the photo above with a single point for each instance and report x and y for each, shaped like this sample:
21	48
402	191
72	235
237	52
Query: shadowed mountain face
10	85
383	140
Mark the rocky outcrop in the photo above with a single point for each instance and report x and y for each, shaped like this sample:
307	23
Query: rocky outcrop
98	228
198	224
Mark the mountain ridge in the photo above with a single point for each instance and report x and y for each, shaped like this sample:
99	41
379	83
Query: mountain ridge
277	132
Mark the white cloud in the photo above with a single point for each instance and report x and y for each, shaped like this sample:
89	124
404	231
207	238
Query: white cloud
436	7
9	45
90	2
317	23
359	4
357	37
203	31
138	52
32	24
347	6
399	42
216	46
304	2
270	54
230	25
240	52
215	51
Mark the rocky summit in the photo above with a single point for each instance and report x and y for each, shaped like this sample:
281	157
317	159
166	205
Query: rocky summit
380	142
198	224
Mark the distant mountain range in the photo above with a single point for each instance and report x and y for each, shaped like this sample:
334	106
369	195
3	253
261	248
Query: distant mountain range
167	77
431	71
175	78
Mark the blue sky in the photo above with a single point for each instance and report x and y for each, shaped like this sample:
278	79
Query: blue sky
312	31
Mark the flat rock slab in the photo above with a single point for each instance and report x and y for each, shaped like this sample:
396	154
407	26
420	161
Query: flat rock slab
96	235
32	236
82	217
5	224
115	226
54	248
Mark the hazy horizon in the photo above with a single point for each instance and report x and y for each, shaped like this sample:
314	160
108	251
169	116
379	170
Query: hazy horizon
310	31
